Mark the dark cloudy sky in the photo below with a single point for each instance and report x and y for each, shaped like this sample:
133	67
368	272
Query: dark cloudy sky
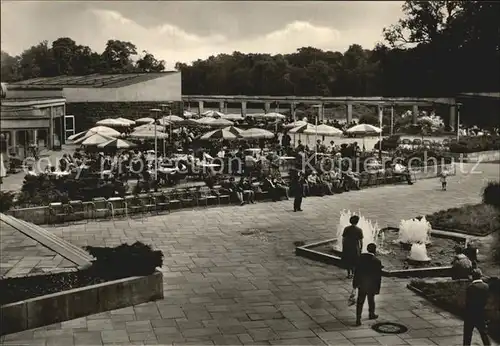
184	31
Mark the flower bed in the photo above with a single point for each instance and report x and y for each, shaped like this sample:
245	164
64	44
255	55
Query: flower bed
450	295
477	219
475	144
110	264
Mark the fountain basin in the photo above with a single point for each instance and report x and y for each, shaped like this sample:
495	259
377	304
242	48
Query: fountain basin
395	261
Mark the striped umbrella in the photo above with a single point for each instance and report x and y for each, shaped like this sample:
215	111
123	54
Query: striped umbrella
218	134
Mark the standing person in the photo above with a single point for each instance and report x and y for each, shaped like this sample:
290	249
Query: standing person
442	178
298	191
475	302
352	243
367	280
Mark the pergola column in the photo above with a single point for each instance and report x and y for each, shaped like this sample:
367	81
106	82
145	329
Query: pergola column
453	116
200	107
267	107
292	111
13	141
349	113
51	129
415	114
221	106
244	108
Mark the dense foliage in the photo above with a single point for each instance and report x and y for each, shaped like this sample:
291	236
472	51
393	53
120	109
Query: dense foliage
491	194
115	263
478	219
6	200
437	48
475	144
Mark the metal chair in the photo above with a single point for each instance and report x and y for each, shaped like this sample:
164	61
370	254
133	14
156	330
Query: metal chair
162	201
77	210
58	212
149	202
174	197
118	206
134	205
100	205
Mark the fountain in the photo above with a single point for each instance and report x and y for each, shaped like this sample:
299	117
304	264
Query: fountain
370	230
415	234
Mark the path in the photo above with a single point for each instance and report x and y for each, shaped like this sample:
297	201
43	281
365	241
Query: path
226	288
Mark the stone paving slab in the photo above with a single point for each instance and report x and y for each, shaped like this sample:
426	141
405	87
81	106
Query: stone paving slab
225	288
21	255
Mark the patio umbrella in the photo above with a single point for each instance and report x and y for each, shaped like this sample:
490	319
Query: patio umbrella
188	114
234	130
295	124
323	130
173	118
364	129
150	128
275	115
96	139
77	136
148	135
126	121
212	113
302	129
104	130
232	117
208	121
256	133
164	122
112	123
146	120
117	144
220	133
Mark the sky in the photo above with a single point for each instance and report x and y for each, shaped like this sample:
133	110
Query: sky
188	30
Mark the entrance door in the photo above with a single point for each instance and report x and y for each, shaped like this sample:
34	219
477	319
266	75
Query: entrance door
69	126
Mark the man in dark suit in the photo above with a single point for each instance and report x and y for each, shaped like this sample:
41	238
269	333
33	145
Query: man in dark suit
298	191
475	302
367	279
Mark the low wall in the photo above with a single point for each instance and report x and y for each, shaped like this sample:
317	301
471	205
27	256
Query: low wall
84	301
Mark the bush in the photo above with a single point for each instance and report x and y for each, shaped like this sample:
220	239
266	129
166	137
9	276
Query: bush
491	194
132	260
389	143
6	200
475	143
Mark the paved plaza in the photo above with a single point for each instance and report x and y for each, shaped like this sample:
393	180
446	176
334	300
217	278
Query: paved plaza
231	276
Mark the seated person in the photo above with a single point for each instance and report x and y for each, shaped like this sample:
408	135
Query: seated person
399	169
351	179
313	183
269	186
471	252
281	187
336	179
236	190
248	192
327	183
461	265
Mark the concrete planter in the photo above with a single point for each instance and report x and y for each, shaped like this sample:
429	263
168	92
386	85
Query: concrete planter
79	302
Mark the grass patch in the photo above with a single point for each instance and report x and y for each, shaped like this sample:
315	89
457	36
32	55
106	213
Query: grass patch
450	295
474	219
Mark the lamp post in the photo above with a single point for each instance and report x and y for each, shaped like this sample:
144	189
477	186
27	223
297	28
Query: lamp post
380	118
155	113
458	121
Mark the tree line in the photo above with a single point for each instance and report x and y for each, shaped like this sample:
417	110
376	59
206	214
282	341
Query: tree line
438	48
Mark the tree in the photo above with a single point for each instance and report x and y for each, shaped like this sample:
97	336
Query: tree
9	68
64	52
37	61
148	63
116	57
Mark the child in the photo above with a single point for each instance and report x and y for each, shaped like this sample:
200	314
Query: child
443	176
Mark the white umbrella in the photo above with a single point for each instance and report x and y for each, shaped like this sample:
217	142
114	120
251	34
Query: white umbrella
233	129
275	115
117	144
295	124
323	130
212	113
150	128
96	139
108	131
111	123
146	120
364	129
148	135
220	133
126	121
208	121
188	114
173	118
232	117
77	136
164	122
256	133
302	128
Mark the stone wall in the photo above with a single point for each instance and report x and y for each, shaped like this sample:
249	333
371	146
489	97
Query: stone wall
88	113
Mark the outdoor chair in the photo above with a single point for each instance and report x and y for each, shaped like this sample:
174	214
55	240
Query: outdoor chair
388	176
417	142
380	178
364	178
149	202
162	202
188	198
100	205
58	212
117	206
427	143
221	195
134	205
174	198
77	210
207	195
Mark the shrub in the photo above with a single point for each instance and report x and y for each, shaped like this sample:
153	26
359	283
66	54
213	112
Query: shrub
491	194
475	144
130	260
6	200
389	143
